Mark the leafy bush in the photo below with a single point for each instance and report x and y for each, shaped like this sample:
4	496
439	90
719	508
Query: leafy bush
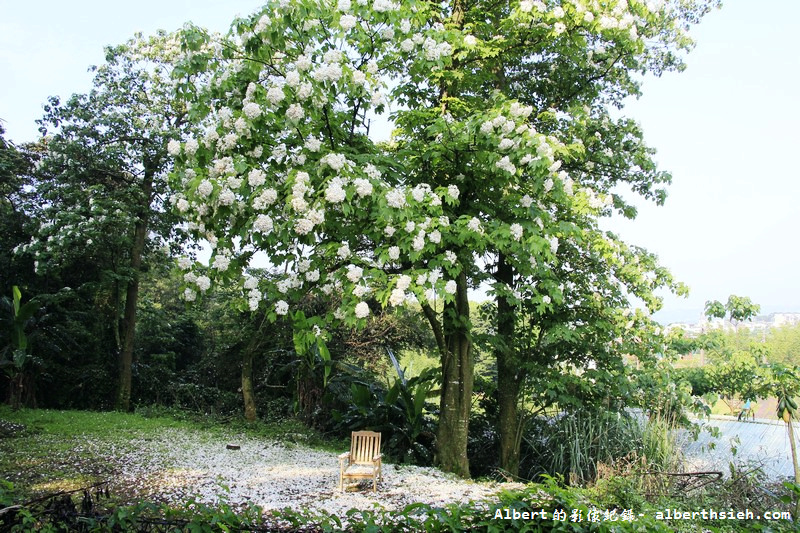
399	413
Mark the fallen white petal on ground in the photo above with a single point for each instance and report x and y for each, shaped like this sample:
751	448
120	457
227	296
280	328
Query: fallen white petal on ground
182	464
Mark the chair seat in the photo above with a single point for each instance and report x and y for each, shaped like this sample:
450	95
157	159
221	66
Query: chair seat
360	470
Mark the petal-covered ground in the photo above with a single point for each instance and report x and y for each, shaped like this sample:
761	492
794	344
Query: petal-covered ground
181	463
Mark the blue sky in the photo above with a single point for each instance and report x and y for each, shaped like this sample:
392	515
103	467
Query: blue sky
728	129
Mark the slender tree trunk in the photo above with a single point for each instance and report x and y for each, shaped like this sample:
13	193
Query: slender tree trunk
247	380
457	381
132	294
793	445
509	376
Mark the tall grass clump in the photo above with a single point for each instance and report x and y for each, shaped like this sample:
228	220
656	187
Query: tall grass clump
580	445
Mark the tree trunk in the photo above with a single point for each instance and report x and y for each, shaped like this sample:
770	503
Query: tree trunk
457	381
793	445
247	381
132	294
309	394
509	376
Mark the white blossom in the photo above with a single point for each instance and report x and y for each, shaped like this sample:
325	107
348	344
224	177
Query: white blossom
266	198
474	224
395	198
205	189
335	161
203	283
450	287
221	262
452	192
189	295
363	187
381	6
505	144
372	172
520	111
335	193
252	110
419	241
305	90
295	112
397	297
293	79
191	146
403	282
506	164
359	78
316	216
347	22
303	226
303	63
281	307
354	273
263	224
313	144
516	231
362	310
275	95
256	177
394	253
299	204
226	197
343	252
279	152
174	148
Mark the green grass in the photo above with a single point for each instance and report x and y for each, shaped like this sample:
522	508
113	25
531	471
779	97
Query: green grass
89	423
65	450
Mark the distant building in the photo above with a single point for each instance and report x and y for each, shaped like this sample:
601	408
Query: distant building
762	323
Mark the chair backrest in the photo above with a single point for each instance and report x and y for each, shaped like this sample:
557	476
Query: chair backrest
364	446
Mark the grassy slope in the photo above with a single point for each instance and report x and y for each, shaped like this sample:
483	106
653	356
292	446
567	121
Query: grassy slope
66	450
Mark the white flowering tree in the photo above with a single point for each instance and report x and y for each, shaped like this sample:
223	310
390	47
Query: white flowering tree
102	180
487	174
